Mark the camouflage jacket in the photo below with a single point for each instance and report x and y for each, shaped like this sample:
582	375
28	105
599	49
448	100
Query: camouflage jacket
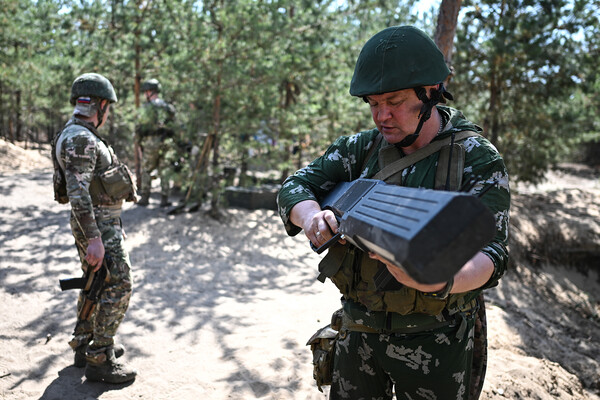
156	117
345	160
82	155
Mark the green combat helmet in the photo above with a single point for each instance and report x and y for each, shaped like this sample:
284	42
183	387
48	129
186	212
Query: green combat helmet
92	85
151	84
401	57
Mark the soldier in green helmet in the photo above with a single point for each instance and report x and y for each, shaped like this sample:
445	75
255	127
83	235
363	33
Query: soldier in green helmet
414	340
154	135
89	176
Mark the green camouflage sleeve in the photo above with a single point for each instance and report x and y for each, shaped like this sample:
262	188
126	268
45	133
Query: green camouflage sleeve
80	154
482	160
341	162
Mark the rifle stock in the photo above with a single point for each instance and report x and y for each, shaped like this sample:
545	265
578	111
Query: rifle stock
73	283
431	234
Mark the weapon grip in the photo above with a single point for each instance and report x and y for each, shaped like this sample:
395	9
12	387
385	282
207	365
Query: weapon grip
97	286
327	244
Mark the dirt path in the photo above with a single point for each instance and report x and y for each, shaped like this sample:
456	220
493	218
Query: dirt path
223	309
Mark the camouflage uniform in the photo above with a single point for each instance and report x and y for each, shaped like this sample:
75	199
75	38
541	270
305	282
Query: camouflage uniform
83	154
429	355
154	135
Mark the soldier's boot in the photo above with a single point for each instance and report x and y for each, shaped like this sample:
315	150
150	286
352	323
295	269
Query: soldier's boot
80	359
144	200
102	366
164	201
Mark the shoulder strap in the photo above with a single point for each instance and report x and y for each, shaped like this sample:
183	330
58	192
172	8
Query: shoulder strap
420	154
450	167
374	147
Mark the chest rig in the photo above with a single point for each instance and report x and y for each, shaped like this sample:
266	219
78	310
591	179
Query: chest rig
351	269
109	185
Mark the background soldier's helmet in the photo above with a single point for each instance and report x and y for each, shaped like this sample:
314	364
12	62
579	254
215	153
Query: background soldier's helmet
151	84
92	85
399	57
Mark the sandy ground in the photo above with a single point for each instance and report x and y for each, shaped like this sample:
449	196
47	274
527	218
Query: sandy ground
223	309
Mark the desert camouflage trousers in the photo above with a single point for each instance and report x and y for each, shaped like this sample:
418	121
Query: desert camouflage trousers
433	365
114	300
154	157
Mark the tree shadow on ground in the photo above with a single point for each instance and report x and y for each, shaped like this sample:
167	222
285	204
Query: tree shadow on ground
182	254
188	258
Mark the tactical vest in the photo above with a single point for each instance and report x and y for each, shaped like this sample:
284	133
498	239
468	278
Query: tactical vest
108	186
162	120
353	271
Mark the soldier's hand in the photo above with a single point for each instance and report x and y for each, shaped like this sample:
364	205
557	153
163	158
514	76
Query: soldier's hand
95	253
319	225
322	226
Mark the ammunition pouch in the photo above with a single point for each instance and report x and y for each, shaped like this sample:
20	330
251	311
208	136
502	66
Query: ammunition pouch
332	262
112	185
322	345
108	212
60	188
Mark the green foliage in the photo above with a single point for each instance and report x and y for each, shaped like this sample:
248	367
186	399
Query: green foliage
523	67
269	79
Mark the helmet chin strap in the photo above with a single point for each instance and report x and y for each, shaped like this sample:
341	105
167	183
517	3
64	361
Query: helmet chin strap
437	95
101	111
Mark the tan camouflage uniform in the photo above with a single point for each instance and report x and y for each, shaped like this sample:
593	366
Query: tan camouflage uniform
83	154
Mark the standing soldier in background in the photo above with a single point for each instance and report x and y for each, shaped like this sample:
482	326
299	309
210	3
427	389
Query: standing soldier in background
88	175
154	133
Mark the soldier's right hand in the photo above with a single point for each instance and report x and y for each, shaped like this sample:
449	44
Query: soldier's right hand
322	226
319	225
95	253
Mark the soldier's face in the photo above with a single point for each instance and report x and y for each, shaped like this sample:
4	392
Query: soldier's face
396	114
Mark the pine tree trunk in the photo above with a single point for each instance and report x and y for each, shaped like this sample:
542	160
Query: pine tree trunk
446	29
